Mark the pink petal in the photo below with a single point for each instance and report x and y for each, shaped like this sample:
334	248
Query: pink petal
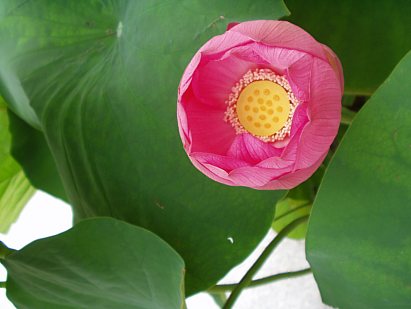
225	163
291	149
224	42
234	171
248	53
216	167
276	163
299	77
291	180
280	144
281	34
324	111
296	65
336	65
183	126
213	81
213	172
188	75
300	118
218	44
231	25
278	58
206	127
251	150
253	177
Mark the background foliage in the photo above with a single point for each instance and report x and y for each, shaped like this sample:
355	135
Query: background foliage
91	90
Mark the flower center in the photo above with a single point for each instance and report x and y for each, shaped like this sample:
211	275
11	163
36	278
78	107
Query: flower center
262	104
263	108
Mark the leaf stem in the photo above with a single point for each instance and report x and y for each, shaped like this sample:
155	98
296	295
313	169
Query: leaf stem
218	296
291	211
347	115
4	250
2	285
261	281
246	280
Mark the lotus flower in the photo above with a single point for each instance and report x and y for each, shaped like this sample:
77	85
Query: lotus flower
259	105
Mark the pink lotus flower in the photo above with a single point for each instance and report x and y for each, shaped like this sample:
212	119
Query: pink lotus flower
259	105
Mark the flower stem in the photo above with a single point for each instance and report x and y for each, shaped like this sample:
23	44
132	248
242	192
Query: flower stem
258	282
5	251
292	210
2	284
246	280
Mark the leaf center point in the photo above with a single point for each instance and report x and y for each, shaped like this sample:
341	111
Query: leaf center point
119	29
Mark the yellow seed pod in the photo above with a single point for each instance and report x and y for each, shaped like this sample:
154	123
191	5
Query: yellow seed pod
263	108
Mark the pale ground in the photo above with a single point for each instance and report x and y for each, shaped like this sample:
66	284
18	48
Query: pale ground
45	216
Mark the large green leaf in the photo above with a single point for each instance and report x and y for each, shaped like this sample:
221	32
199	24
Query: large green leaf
100	263
102	77
15	189
359	235
369	36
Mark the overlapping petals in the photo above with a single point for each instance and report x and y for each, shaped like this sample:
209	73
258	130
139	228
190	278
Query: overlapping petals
315	76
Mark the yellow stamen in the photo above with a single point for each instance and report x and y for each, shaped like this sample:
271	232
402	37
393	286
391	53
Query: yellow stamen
262	104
